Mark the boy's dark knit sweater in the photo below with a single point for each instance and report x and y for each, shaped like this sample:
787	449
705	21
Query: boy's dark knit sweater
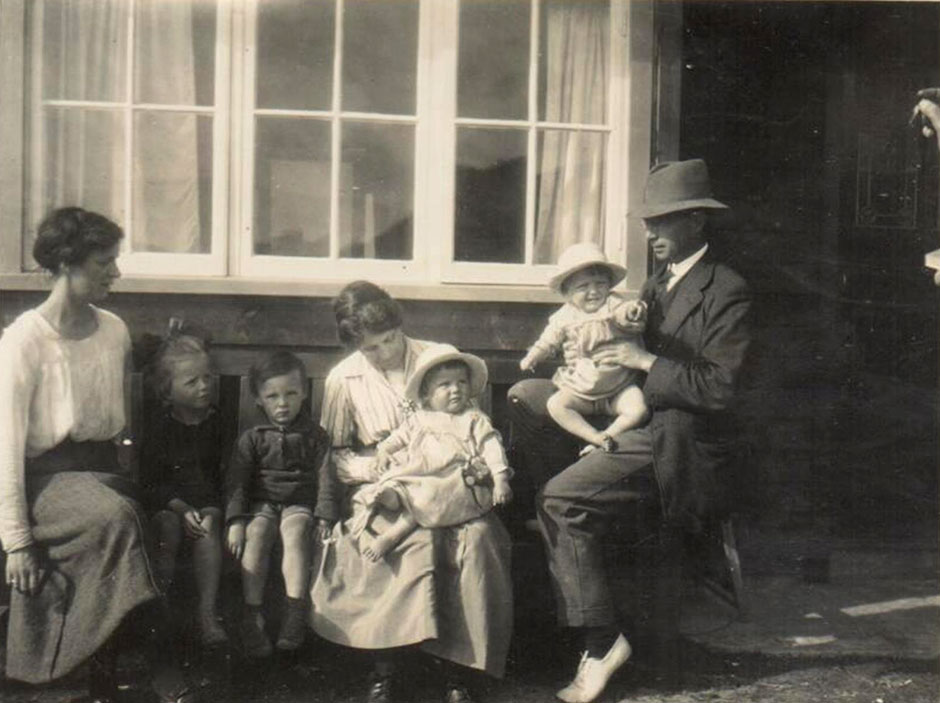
288	465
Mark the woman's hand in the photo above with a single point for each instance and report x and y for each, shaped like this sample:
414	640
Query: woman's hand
383	460
235	538
502	491
626	354
23	571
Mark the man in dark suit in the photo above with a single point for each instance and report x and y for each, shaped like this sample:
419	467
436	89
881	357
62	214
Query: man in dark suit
696	341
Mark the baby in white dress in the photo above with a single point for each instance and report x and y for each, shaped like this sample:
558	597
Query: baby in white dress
445	464
593	316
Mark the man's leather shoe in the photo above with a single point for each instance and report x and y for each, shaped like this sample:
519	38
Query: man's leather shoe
593	674
381	691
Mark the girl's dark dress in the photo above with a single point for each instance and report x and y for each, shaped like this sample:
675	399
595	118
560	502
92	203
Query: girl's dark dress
184	461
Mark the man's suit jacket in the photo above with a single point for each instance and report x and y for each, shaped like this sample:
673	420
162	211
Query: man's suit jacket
701	344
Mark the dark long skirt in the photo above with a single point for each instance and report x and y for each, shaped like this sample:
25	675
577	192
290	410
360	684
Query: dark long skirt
91	533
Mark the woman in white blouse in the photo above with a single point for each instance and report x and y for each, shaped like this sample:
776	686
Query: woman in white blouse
446	589
72	532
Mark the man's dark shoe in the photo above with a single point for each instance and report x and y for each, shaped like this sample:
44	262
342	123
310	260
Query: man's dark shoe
455	693
381	690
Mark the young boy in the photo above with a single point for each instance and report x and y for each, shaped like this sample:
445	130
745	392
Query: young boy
279	482
593	316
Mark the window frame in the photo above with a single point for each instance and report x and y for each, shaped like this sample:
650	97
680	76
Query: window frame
634	73
245	263
614	231
213	263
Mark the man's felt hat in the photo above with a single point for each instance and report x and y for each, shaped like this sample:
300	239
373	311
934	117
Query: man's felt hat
673	186
437	354
581	256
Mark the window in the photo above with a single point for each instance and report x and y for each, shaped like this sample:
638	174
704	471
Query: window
434	141
127	115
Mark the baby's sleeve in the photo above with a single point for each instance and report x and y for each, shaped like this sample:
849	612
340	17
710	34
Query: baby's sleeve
550	341
400	437
488	442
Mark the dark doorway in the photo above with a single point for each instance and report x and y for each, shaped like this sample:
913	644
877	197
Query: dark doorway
801	110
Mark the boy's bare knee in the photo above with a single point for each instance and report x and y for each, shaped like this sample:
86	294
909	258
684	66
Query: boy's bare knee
296	528
212	519
261	530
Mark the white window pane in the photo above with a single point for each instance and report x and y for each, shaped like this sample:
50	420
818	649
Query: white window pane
174	52
380	50
292	187
84	49
570	192
295	54
83	162
172	205
490	195
574	60
377	191
493	84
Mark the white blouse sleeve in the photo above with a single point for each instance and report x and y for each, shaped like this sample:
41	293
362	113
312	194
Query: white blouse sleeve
338	419
17	382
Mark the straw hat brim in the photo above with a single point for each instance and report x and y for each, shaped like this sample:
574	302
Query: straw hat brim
658	209
617	273
433	356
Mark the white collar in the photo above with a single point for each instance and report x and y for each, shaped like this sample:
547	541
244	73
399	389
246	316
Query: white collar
680	269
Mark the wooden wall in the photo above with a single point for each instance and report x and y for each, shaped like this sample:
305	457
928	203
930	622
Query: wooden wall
242	325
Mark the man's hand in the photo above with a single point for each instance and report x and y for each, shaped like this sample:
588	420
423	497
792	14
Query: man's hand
928	106
626	354
235	538
23	571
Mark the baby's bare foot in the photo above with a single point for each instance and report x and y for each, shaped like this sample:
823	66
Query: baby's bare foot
375	547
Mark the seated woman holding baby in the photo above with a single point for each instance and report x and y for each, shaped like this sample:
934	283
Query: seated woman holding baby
399	572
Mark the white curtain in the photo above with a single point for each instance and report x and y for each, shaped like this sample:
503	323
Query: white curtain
85	58
571	169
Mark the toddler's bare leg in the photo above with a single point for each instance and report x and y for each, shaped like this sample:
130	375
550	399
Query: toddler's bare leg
295	536
382	544
207	567
568	411
630	406
259	540
168	532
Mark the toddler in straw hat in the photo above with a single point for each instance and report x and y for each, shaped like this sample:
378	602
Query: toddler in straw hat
592	316
444	465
